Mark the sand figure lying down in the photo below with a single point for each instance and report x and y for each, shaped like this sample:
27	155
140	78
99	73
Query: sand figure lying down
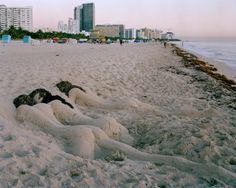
92	142
87	98
66	115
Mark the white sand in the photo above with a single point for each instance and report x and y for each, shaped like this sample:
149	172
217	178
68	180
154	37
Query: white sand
196	127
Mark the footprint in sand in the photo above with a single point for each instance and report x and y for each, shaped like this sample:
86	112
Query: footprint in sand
31	180
6	155
8	138
36	150
21	153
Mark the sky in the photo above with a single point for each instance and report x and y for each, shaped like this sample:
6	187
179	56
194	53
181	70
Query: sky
205	18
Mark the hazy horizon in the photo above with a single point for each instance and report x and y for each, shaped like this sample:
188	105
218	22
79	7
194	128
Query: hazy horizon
212	18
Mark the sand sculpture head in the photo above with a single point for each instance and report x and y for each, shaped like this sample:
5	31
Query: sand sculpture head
23	99
38	96
41	95
66	86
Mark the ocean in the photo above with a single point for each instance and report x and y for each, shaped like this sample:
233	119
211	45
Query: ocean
220	50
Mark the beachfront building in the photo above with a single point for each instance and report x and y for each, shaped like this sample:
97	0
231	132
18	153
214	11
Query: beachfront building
73	26
140	34
62	27
111	30
130	33
17	17
155	34
86	16
167	36
151	33
78	15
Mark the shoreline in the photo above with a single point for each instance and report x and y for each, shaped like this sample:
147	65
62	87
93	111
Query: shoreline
216	70
222	67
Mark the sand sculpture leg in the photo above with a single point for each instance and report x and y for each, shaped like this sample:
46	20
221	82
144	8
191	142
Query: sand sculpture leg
199	169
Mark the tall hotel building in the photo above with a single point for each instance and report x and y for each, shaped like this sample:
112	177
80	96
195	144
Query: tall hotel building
86	15
17	17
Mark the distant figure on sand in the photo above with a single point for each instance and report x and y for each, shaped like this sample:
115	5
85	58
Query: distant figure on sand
121	42
165	44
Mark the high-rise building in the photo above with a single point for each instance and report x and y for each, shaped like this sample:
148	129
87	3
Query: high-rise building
86	15
17	17
78	15
73	26
122	31
70	25
60	26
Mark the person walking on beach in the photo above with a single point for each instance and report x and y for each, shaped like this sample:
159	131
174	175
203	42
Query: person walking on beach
121	42
165	44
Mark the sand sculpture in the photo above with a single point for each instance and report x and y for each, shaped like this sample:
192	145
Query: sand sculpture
92	142
66	114
83	97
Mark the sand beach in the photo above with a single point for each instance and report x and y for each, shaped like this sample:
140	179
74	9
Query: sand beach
168	109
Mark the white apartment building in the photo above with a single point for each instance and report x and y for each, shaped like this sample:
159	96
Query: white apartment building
130	33
72	27
140	34
60	26
17	17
